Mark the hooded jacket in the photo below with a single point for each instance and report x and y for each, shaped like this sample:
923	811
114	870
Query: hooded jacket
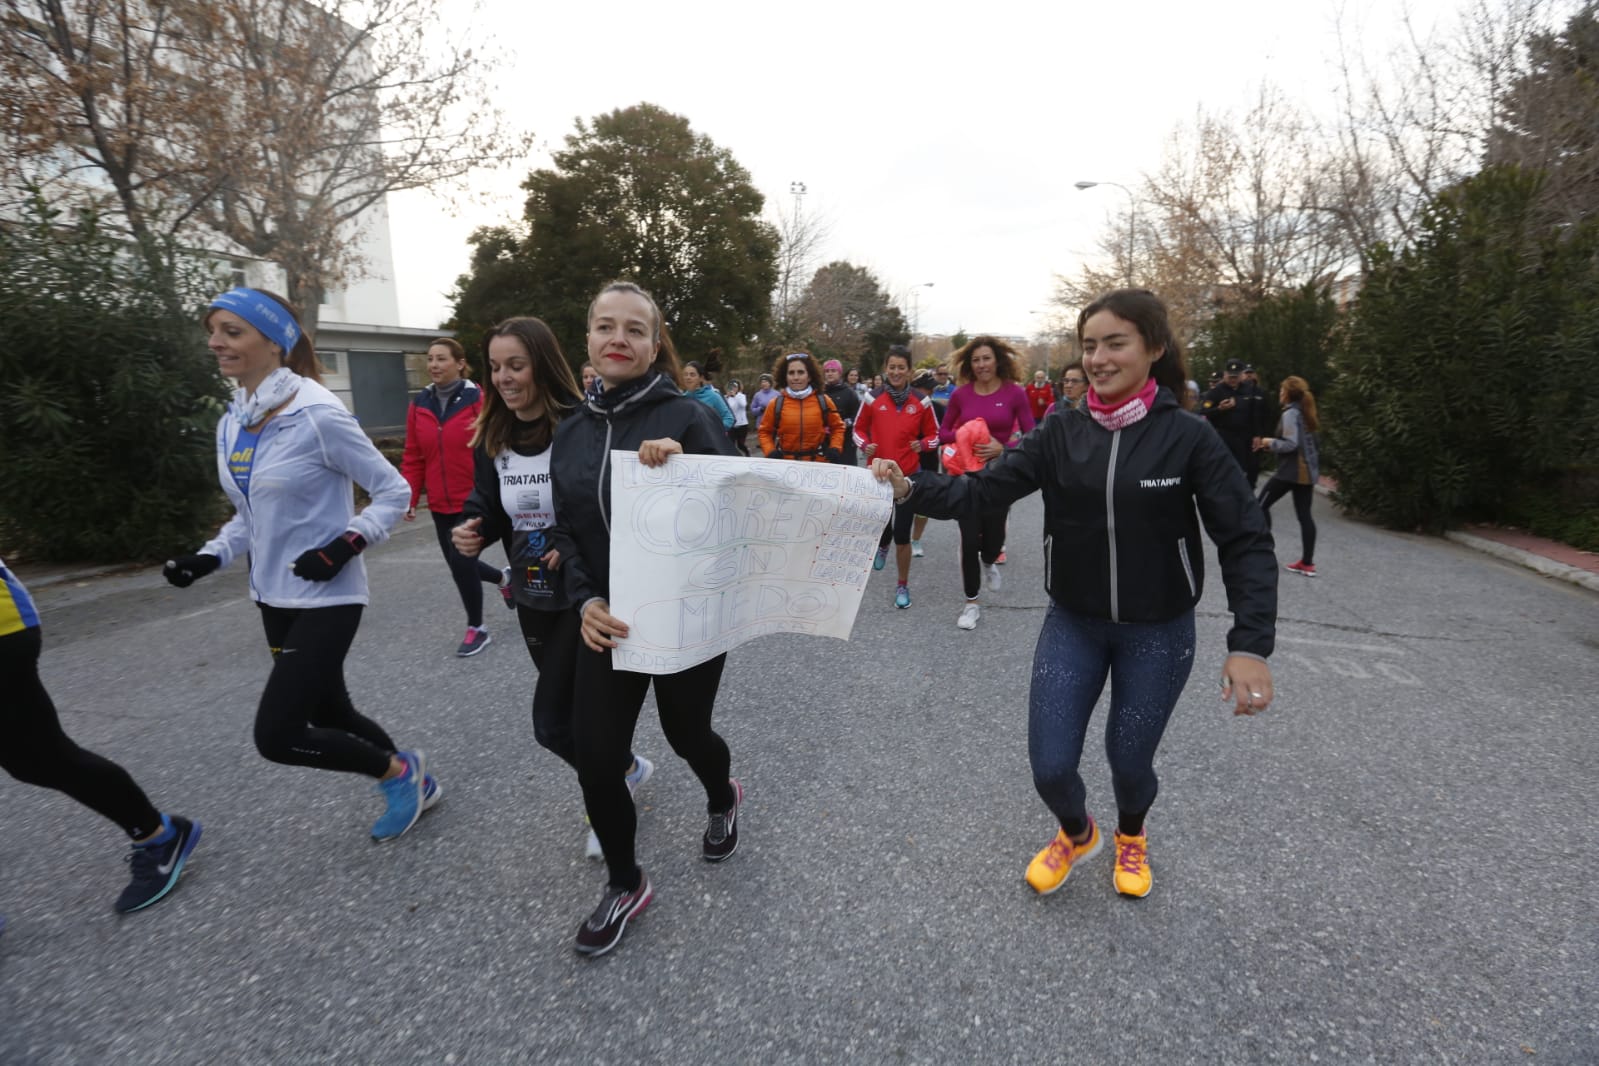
302	496
438	447
707	395
580	472
1120	517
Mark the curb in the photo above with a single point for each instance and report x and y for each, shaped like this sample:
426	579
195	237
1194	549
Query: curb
1537	563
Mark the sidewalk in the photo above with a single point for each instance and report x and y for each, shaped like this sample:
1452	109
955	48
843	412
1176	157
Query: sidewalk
1539	554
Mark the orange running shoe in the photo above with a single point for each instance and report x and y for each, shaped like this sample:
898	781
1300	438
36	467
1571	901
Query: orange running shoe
1132	865
1049	868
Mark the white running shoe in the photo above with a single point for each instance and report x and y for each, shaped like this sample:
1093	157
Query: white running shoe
995	581
639	775
591	848
968	618
916	549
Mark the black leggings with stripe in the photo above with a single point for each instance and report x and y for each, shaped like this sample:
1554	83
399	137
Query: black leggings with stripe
306	717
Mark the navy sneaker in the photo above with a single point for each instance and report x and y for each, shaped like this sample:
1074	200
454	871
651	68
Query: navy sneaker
476	640
609	921
431	792
156	866
403	795
721	835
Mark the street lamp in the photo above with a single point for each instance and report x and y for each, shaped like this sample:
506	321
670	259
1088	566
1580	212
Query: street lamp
916	306
1132	221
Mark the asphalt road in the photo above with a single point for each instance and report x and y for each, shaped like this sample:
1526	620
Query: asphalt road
1396	864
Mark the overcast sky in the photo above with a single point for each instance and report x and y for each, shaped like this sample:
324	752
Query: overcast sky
940	144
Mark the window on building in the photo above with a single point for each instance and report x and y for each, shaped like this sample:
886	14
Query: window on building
330	361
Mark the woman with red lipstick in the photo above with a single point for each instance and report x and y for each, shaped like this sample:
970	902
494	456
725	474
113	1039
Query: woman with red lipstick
1121	480
438	458
640	405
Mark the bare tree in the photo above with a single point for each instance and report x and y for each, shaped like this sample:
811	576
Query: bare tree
274	123
1417	120
801	238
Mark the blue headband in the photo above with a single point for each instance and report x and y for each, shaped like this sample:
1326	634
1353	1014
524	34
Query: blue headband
264	313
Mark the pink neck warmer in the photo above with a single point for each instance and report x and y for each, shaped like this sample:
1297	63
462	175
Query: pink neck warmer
1125	413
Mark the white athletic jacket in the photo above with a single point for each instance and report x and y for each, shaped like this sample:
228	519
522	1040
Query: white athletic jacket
301	497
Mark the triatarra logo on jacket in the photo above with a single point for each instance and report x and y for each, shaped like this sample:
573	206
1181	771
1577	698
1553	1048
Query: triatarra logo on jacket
1159	482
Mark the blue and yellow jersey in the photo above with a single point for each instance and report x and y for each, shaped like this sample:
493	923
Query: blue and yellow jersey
17	611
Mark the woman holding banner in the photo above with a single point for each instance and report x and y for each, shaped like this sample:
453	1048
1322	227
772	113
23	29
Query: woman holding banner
640	406
533	390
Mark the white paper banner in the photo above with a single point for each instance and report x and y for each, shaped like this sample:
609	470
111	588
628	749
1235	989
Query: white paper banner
709	551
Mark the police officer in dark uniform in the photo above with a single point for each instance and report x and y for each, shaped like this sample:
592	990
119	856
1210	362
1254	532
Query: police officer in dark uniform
1236	409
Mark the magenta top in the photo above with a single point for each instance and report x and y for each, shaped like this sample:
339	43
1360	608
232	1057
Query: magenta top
1006	411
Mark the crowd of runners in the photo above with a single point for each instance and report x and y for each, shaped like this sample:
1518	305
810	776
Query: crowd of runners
1131	463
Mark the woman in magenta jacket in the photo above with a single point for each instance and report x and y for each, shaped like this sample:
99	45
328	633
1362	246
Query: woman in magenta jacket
438	460
987	369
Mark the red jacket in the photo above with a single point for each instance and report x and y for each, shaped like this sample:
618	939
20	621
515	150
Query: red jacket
1042	398
438	447
895	429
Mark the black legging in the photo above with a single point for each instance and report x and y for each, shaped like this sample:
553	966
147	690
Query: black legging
469	574
739	435
553	640
982	538
608	705
1275	490
37	752
306	717
898	528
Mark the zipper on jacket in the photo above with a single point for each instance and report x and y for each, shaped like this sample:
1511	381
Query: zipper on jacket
1110	523
599	483
1049	556
444	471
1188	571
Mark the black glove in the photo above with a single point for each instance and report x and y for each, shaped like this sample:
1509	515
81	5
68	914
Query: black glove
833	455
324	563
185	570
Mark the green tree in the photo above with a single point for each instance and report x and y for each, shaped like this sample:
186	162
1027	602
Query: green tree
107	423
1549	117
846	314
1465	375
637	194
1287	333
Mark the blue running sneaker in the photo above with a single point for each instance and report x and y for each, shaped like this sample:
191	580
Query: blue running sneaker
880	559
902	597
156	866
404	797
431	792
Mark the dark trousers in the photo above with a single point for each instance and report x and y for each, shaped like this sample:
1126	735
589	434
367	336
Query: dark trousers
608	705
982	538
469	574
740	436
306	717
1275	490
36	751
553	639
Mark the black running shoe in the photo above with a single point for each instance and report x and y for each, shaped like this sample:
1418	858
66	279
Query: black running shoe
609	921
721	836
156	866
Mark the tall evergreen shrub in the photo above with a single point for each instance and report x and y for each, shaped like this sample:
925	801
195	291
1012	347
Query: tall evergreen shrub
110	399
1469	370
